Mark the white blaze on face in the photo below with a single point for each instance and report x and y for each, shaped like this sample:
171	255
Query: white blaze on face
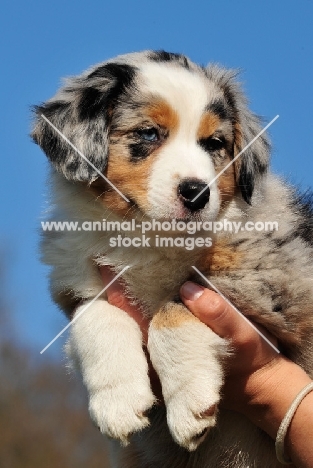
181	157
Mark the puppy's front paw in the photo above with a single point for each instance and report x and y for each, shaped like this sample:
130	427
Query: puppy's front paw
106	345
120	411
190	414
187	356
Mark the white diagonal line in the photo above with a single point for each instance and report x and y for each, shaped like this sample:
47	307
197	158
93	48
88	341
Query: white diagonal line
84	157
235	308
84	309
233	160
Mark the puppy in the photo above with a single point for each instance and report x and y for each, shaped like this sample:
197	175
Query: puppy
165	132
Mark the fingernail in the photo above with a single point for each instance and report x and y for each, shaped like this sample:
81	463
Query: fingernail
191	291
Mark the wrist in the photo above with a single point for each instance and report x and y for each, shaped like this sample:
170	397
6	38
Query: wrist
271	390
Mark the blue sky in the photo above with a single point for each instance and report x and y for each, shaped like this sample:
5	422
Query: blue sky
270	41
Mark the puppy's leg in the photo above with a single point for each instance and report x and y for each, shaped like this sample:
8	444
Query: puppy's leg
106	344
187	357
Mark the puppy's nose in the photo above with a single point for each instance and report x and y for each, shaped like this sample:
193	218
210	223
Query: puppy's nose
188	189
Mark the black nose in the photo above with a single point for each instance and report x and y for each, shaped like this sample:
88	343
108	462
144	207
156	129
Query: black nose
188	189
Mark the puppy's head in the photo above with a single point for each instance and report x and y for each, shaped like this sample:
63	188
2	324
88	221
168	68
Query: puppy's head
161	129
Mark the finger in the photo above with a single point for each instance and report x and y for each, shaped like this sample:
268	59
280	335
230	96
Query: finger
115	290
215	312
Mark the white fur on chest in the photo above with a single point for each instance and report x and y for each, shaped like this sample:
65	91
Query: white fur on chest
155	274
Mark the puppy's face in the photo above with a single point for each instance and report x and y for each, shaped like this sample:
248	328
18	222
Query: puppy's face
161	129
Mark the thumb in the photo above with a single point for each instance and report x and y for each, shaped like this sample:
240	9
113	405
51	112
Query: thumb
214	311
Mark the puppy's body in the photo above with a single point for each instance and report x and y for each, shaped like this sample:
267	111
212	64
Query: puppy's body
161	128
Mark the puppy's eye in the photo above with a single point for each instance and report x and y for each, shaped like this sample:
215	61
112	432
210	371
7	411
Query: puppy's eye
212	143
150	134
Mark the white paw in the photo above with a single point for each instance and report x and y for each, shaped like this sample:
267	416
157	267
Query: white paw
190	414
120	411
106	345
188	360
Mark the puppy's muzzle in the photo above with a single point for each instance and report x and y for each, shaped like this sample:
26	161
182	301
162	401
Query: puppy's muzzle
188	189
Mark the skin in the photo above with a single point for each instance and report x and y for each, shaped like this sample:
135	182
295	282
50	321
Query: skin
256	376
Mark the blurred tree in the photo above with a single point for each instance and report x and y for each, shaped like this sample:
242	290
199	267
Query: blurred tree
44	421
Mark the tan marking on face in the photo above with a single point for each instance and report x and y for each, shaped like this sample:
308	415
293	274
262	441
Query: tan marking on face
226	183
237	148
172	315
163	115
130	178
208	125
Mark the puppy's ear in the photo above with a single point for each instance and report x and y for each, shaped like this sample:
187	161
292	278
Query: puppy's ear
253	162
81	112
